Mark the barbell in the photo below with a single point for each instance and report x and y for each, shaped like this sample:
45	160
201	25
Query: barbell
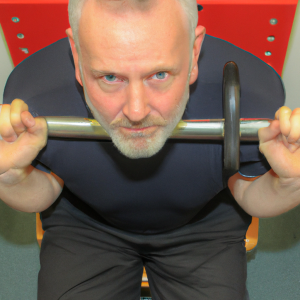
211	129
232	129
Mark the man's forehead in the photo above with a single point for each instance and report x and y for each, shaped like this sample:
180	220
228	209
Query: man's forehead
130	36
128	4
124	7
125	18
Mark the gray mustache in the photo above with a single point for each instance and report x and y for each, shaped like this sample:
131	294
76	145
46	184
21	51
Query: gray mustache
136	125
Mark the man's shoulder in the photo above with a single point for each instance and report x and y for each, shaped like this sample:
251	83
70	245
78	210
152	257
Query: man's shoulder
46	82
262	91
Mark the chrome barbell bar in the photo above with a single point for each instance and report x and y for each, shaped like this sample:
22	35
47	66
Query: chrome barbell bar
85	128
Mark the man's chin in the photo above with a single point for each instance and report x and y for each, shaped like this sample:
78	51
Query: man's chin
138	147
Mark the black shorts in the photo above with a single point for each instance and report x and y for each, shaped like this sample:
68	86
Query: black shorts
82	258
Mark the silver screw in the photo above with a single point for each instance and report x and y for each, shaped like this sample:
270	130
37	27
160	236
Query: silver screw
271	38
268	53
15	19
20	36
273	21
25	50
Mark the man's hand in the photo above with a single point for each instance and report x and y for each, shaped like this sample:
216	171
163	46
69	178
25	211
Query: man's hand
278	190
22	138
280	143
23	187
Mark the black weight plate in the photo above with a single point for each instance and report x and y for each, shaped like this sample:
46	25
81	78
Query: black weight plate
231	108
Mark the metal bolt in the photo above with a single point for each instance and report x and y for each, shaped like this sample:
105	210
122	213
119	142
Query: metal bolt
15	19
273	21
268	53
20	36
271	38
25	50
200	7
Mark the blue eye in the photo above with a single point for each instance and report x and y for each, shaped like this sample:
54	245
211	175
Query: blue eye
160	75
110	77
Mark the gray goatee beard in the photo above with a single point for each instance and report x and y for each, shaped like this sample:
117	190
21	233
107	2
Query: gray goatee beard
137	144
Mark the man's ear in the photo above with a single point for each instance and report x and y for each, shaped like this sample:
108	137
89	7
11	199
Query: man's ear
75	55
199	37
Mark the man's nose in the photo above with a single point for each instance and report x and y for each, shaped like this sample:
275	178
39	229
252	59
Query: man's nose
136	107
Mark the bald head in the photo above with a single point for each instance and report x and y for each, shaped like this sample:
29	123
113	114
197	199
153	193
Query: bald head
131	32
189	7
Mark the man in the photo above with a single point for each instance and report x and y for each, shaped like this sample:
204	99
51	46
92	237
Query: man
131	57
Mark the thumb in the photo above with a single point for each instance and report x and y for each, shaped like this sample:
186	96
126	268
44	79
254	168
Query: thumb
35	126
269	133
27	119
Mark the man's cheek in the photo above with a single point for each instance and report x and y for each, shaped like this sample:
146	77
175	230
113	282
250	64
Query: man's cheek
108	107
168	106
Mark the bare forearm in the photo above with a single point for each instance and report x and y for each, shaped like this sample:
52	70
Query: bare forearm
29	190
267	196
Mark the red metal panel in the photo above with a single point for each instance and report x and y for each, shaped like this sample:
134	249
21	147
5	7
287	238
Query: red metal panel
248	26
242	2
245	23
41	24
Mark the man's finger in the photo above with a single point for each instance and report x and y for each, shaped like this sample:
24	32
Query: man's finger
6	130
38	128
0	115
294	135
283	115
17	108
